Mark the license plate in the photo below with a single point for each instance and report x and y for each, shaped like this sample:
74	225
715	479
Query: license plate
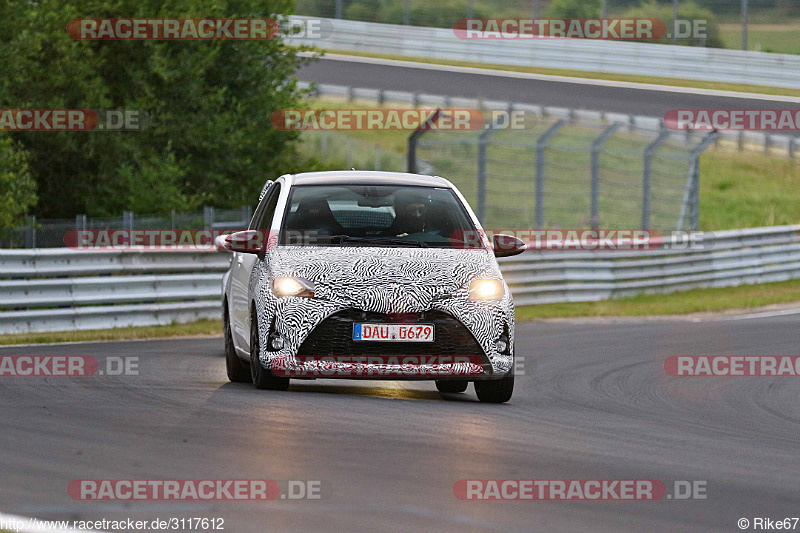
393	332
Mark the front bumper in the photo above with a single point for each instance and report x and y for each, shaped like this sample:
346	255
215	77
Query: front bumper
324	346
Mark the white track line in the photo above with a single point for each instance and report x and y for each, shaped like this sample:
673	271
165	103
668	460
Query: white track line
23	524
560	79
751	316
108	341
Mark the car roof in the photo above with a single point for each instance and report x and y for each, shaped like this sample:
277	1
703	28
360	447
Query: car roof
368	177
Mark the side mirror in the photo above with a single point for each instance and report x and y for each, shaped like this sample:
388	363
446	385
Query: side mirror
248	242
508	245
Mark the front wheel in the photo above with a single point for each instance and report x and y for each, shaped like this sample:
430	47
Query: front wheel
236	368
495	390
262	378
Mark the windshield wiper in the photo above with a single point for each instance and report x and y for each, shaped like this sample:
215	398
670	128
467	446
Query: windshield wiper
339	239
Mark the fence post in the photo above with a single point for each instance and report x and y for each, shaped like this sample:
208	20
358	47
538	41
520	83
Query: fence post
208	217
80	222
411	158
483	141
30	231
691	194
597	145
541	145
246	215
127	220
648	156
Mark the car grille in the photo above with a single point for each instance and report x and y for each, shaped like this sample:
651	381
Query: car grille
334	336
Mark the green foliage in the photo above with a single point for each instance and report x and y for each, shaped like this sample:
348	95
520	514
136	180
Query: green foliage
579	9
208	139
687	10
17	188
439	14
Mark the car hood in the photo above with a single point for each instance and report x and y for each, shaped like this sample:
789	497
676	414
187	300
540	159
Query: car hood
384	279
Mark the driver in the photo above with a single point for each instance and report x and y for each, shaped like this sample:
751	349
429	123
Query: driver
411	213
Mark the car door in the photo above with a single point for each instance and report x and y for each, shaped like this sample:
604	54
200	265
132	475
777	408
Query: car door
242	267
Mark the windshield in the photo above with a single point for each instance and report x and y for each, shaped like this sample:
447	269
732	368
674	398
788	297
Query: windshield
374	215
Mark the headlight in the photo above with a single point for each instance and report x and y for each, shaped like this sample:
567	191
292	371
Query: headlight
486	289
289	286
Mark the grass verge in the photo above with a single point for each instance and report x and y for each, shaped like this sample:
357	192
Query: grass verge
190	329
776	38
679	303
633	78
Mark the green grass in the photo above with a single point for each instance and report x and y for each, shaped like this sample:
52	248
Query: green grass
679	303
746	189
675	82
189	329
777	38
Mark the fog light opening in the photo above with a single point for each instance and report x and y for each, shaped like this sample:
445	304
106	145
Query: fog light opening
501	345
276	342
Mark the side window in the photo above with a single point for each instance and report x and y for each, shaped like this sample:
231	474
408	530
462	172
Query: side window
258	216
269	210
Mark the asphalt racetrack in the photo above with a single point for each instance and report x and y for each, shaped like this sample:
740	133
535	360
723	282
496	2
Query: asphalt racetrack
576	93
596	404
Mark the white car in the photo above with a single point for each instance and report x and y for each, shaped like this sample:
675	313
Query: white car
371	275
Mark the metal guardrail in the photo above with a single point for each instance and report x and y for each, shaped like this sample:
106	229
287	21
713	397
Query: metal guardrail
56	289
644	59
726	258
62	289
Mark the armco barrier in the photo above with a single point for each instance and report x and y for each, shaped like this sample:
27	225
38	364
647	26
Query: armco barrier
54	289
643	59
62	289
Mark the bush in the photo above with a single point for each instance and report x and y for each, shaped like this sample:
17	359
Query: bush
687	10
17	187
577	9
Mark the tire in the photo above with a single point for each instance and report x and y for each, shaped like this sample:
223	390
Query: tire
260	376
238	372
495	390
451	386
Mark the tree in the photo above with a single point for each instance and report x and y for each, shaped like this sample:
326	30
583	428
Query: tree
17	188
208	138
